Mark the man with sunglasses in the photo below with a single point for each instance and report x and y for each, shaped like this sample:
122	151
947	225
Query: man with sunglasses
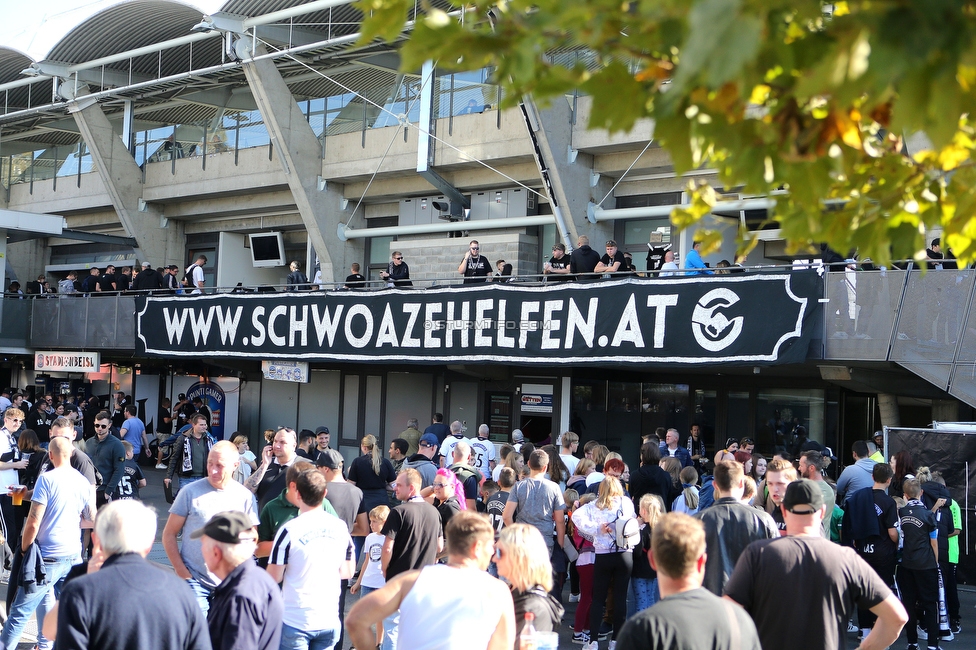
10	462
108	455
557	268
803	572
397	273
475	267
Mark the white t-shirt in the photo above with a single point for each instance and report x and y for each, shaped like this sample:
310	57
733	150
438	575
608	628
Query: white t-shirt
482	453
373	551
197	277
7	476
447	448
570	461
65	494
312	546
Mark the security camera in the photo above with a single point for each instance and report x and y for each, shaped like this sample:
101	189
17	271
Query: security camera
205	26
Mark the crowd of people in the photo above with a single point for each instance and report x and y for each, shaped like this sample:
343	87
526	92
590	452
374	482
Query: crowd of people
445	543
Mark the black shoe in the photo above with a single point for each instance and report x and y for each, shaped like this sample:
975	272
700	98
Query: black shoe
606	630
955	626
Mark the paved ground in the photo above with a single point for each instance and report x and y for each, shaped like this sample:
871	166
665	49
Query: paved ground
153	495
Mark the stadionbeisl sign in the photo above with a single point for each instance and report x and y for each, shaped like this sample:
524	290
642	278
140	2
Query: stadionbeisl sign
760	319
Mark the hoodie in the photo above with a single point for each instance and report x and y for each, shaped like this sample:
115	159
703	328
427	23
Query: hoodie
423	465
548	612
855	477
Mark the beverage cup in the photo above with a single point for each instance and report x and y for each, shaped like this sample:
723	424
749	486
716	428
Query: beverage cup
17	494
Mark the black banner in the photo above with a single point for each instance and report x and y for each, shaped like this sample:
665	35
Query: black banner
761	320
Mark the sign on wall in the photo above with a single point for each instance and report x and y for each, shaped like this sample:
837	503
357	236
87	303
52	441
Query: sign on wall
763	319
67	361
281	370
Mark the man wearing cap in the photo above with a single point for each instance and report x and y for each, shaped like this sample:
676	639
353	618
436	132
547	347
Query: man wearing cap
802	589
878	454
517	439
148	279
195	504
247	608
423	461
322	438
306	443
310	555
347	500
107	608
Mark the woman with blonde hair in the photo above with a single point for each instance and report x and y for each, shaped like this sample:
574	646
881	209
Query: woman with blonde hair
372	473
522	560
687	501
578	480
516	463
596	522
673	467
643	590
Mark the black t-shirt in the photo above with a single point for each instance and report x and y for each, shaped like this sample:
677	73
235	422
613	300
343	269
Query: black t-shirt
272	484
447	509
642	567
496	508
106	281
778	518
917	524
355	281
617	257
346	500
414	527
477	270
161	425
690	620
801	591
361	472
561	263
880	548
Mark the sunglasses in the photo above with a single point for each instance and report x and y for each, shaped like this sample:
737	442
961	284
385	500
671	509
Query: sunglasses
475	248
101	426
398	258
15	419
440	485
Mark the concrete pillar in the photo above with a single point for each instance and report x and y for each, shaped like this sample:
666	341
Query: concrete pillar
159	241
570	171
320	203
945	410
888	405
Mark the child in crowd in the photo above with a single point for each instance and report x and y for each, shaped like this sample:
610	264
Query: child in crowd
248	459
488	488
132	477
371	573
643	590
687	501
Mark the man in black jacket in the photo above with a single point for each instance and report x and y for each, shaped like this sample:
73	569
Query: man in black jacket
730	525
649	477
583	260
89	613
148	279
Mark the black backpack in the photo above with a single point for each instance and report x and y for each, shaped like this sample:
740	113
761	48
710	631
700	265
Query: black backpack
188	276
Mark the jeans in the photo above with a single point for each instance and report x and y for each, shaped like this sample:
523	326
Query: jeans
202	594
42	600
391	626
642	594
294	639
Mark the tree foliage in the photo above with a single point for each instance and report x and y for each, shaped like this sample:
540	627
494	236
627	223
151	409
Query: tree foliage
807	99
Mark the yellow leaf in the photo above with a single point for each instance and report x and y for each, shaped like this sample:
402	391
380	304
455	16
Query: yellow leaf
841	9
759	95
952	156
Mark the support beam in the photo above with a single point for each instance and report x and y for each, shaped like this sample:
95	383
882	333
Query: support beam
425	146
299	152
122	178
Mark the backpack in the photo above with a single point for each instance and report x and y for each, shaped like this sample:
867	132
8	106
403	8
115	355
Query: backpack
188	276
464	472
626	532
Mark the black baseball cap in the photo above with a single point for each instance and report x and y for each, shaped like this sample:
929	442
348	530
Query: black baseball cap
230	527
319	430
800	493
330	459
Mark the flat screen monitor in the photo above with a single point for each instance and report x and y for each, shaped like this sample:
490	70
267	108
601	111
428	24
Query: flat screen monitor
267	249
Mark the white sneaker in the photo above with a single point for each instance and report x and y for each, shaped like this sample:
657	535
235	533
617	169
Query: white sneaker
574	598
613	645
592	645
161	466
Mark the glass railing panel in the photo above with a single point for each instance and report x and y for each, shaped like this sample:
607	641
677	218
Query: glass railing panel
931	317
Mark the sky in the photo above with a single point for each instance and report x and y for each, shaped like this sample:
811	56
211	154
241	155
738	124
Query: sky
35	27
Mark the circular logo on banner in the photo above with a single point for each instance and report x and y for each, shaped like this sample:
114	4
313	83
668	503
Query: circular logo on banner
214	399
712	329
39	362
